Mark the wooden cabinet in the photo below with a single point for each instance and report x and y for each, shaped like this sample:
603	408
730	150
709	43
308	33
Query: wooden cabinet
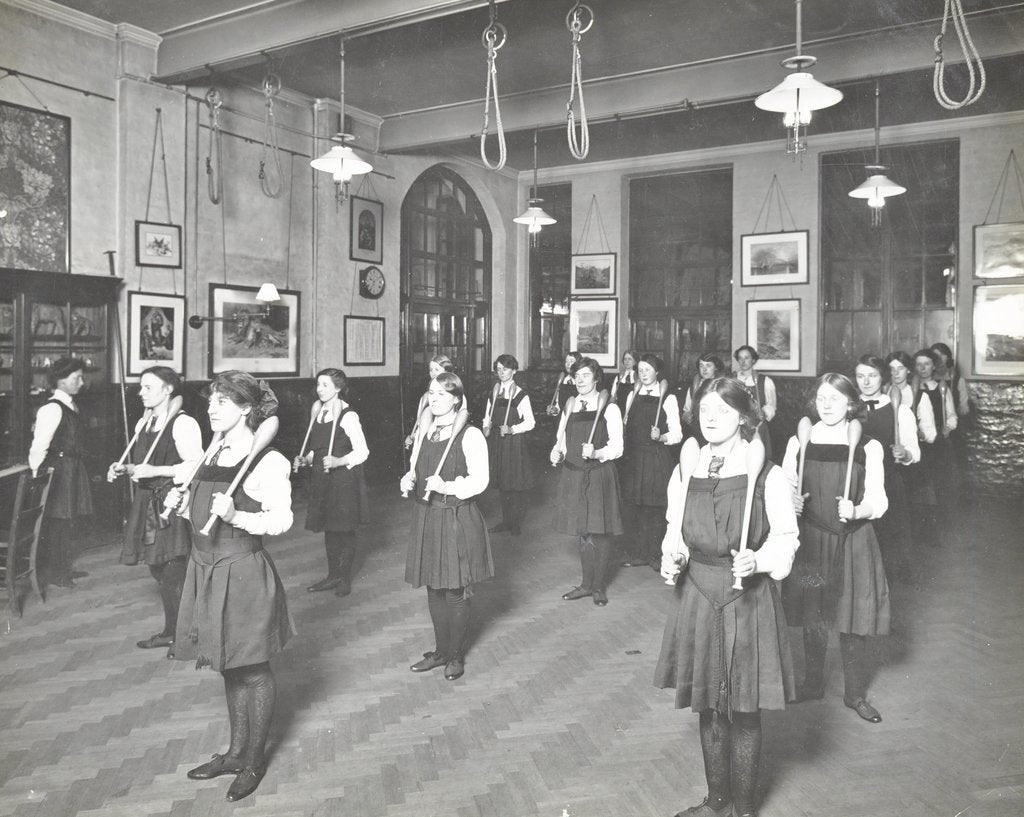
44	316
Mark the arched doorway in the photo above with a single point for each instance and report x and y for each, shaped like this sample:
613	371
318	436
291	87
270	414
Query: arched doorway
446	281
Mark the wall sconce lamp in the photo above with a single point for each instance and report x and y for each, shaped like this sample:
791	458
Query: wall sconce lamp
267	295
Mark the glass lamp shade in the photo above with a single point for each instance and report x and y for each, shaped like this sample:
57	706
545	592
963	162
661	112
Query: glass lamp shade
876	189
268	294
342	163
534	216
797	95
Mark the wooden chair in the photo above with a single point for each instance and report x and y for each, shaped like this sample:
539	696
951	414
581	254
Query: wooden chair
19	543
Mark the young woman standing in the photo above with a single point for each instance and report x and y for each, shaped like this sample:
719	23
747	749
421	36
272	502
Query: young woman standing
936	457
726	651
762	391
508	417
625	379
337	487
449	550
234	616
838	580
438	364
565	386
163	440
588	497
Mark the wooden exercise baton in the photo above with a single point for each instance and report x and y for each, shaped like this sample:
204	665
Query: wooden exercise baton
173	407
508	407
147	415
630	399
663	386
554	397
459	423
314	410
494	406
688	456
165	514
570	404
334	428
803	436
422	424
896	399
755	462
263	436
853	434
602	401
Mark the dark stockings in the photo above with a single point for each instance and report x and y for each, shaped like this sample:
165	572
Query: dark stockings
858	664
651	530
251	692
732	753
449	613
341	553
594	551
56	555
815	644
170	576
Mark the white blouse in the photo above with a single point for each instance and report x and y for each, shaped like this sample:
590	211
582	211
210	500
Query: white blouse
907	426
875	502
613	421
350	425
527	421
474	447
670	406
775	556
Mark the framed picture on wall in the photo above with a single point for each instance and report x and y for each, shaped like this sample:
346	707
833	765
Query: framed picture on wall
999	330
156	332
593	274
364	341
767	259
366	230
35	189
259	338
773	329
593	327
999	250
157	245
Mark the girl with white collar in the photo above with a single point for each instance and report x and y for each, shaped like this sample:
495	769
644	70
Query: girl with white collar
509	410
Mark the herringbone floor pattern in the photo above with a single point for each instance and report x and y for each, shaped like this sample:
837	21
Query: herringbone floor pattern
555	716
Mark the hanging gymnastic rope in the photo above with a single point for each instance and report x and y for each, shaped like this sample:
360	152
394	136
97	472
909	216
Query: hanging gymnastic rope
271	188
579	146
976	83
494	38
214	157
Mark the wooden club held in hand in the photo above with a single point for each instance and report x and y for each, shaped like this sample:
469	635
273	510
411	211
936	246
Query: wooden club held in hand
688	457
461	419
755	462
263	437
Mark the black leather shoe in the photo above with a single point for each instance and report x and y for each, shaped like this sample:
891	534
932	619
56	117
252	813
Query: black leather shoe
328	583
576	593
221	764
246	783
343	589
454	669
500	528
600	598
705	810
154	641
864	709
431	660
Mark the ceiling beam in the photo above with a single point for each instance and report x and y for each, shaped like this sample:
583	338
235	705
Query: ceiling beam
843	60
234	40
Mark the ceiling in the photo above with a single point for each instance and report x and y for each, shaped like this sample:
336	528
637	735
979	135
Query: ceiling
692	68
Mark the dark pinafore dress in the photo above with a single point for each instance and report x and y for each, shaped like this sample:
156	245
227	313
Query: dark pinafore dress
932	472
646	464
893	527
622	392
233	608
337	499
448	547
148	538
837	577
70	496
588	500
756	392
723	649
509	455
566	388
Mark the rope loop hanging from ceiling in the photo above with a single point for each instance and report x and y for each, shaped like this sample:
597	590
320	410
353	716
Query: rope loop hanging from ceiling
270	186
975	77
493	38
214	161
579	146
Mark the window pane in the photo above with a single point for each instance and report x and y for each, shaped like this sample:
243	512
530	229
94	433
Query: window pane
906	284
549	280
938	281
867	333
838	336
938	326
906	333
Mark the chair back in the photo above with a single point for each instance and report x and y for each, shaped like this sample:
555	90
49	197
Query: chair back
20	545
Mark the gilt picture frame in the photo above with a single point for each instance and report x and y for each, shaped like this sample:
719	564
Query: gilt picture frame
156	332
262	339
773	329
593	328
771	259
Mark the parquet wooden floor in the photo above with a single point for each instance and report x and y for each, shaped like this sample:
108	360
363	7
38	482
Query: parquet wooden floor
556	715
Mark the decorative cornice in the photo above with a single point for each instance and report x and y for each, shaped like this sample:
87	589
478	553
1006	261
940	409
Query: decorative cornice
139	36
66	16
357	114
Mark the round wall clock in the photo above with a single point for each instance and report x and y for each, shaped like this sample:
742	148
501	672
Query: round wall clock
371	282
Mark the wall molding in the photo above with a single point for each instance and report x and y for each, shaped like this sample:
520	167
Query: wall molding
66	16
126	32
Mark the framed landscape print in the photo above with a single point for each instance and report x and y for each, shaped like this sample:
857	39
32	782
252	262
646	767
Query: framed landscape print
366	230
259	338
592	329
157	245
35	189
593	274
156	332
364	341
773	258
999	330
999	250
773	329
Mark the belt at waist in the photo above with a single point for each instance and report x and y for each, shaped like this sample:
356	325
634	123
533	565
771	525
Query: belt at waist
842	530
230	551
573	467
700	557
443	501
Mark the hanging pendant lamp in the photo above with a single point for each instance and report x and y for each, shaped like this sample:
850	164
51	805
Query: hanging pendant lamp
341	161
534	216
798	94
877	187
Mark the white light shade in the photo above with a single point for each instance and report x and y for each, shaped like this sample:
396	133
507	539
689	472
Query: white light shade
534	216
876	187
342	163
268	294
799	93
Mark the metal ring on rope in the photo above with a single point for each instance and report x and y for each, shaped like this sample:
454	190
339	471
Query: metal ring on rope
214	176
489	37
954	9
572	19
579	146
492	43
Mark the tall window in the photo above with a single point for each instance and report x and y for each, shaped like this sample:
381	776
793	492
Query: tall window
889	287
446	276
680	267
549	280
